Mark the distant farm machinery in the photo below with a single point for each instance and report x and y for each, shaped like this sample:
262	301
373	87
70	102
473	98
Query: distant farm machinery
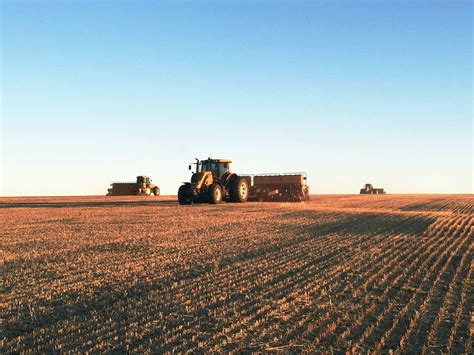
213	182
368	189
142	187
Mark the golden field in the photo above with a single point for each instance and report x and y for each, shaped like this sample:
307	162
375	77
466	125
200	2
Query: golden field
339	273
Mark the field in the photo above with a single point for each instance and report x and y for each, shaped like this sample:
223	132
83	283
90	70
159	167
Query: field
339	273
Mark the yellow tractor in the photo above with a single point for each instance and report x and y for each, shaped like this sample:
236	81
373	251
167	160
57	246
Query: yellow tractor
213	182
146	186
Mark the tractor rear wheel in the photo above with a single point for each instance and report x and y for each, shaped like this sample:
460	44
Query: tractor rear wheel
156	191
215	194
239	189
184	197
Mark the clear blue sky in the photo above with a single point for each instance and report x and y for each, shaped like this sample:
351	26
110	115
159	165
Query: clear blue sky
348	91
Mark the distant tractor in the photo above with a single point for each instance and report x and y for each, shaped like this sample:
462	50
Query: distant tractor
213	182
370	190
143	187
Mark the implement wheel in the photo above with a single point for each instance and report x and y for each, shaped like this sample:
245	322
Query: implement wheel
185	195
239	189
215	194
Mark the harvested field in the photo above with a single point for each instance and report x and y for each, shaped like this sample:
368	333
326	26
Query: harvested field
345	272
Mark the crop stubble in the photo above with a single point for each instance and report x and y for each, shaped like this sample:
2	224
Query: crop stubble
342	273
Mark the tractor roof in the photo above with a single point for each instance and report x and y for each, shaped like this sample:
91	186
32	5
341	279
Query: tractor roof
218	160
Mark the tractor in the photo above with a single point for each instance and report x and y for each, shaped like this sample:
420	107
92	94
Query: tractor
142	186
213	182
368	189
146	186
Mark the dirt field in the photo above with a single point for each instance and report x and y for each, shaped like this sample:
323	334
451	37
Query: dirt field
338	273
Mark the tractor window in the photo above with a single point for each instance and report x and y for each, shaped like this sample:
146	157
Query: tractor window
148	181
208	166
223	168
218	169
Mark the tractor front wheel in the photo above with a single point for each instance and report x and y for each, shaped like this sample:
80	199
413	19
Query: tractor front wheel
156	191
215	194
184	196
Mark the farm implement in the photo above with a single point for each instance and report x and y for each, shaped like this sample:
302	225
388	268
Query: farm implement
278	187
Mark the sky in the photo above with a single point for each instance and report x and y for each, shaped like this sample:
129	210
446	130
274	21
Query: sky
348	91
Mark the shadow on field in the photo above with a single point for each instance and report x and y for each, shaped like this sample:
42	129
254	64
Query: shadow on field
73	204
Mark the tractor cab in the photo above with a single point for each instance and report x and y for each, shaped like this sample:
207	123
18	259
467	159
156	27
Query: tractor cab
218	167
143	180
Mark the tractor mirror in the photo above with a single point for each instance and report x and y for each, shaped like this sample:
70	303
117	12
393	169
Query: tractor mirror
189	167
